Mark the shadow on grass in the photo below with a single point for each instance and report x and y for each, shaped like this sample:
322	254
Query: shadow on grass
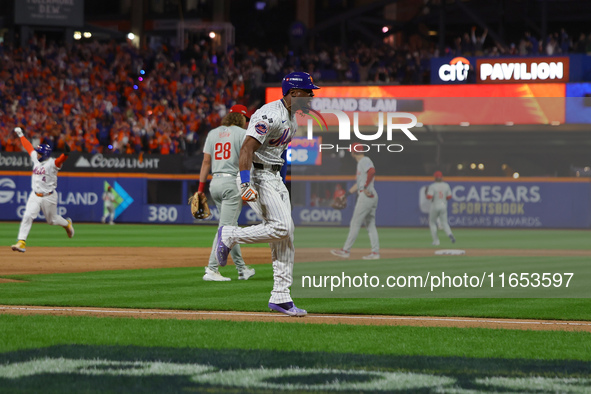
467	373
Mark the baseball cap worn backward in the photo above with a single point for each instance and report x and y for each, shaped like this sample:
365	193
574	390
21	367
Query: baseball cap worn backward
240	109
297	80
438	174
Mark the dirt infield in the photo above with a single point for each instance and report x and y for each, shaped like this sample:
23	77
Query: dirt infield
44	260
48	260
366	320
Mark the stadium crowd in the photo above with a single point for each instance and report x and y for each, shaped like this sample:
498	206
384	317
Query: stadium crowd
111	97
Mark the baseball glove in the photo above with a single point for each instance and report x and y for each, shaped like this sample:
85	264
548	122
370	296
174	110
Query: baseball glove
199	207
339	202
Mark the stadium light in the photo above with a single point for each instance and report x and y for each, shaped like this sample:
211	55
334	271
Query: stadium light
131	36
87	34
481	166
77	35
212	35
460	166
515	175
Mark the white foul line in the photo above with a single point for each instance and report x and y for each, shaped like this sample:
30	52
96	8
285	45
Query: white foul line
272	315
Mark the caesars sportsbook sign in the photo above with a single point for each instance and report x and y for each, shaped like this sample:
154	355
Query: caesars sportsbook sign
500	70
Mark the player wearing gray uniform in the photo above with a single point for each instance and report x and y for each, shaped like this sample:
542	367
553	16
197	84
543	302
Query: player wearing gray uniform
365	208
43	196
269	132
439	192
221	153
109	199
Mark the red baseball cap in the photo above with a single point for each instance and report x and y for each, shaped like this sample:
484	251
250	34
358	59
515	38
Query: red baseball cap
438	174
354	147
240	109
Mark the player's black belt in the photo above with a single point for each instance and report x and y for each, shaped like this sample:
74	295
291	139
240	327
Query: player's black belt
43	194
273	167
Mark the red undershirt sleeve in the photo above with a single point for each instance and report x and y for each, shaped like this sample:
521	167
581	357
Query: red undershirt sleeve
60	160
27	144
370	175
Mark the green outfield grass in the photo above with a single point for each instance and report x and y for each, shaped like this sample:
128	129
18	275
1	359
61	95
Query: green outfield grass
56	354
53	354
183	288
25	332
139	235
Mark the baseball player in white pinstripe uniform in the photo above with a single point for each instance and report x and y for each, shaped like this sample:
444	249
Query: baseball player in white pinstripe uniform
269	132
365	207
220	154
43	196
439	193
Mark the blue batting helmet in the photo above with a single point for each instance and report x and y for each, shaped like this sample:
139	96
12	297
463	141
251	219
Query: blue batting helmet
297	80
44	151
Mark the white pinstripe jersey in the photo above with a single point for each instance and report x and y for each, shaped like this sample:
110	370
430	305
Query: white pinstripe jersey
44	179
272	127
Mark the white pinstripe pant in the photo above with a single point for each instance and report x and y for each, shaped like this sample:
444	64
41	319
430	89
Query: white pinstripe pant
48	205
277	228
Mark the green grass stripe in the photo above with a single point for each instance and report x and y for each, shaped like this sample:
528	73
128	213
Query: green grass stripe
119	235
138	235
183	288
446	277
26	332
467	238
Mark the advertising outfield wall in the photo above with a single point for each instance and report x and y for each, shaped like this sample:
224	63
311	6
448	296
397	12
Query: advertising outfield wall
476	202
484	202
80	197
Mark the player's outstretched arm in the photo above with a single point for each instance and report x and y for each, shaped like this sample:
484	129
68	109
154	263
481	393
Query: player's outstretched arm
60	160
26	144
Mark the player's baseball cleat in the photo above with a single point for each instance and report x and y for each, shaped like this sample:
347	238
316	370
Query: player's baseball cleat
221	250
214	276
435	243
453	239
341	253
372	256
288	308
69	228
246	273
19	246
